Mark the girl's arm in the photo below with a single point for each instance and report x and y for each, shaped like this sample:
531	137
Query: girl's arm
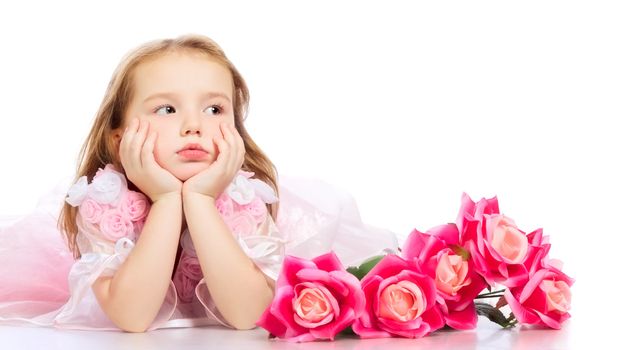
239	289
134	295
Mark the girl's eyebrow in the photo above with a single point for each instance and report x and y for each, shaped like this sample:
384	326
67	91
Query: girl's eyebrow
171	95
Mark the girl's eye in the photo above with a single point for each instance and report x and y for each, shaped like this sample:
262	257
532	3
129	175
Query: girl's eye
214	109
164	110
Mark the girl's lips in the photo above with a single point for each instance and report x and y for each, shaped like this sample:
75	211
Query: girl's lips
193	154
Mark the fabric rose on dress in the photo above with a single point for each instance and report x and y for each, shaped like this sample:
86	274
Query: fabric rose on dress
241	190
187	276
314	299
256	209
115	225
264	191
544	299
107	186
135	204
91	211
400	301
108	204
77	192
501	252
138	227
225	206
242	223
448	264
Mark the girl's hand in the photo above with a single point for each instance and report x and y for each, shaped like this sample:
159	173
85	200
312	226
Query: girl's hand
136	152
213	180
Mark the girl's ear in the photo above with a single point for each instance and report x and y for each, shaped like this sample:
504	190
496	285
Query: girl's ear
117	134
115	140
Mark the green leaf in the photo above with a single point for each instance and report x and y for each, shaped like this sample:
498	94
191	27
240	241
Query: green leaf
463	253
347	331
495	315
365	267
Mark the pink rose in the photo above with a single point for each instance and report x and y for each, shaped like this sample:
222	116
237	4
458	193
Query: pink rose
189	266
240	190
107	186
224	204
115	225
77	192
91	211
242	223
135	205
501	252
400	300
455	278
187	277
314	299
257	209
544	299
138	227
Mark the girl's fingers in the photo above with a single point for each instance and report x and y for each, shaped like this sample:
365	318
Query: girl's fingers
126	142
223	150
231	145
146	154
138	141
237	150
240	142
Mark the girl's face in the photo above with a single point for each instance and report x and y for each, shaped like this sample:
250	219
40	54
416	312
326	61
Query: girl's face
184	97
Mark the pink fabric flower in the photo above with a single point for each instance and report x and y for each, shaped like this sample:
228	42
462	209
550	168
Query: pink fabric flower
240	190
77	192
501	252
454	275
257	209
187	277
135	205
138	227
224	204
400	301
242	223
107	186
91	211
544	299
115	224
314	299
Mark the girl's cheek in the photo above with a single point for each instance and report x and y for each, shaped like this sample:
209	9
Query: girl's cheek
158	152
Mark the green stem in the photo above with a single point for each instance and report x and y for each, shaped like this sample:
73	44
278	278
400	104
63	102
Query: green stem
494	292
487	296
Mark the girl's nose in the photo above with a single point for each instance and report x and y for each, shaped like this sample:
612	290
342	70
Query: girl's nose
191	125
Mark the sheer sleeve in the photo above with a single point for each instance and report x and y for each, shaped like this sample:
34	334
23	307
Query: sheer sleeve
316	218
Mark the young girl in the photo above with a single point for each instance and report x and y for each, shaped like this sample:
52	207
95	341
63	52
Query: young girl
173	219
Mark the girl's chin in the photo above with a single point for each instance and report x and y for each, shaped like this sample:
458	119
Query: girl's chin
185	171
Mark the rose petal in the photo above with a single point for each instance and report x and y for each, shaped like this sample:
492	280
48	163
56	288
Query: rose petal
291	266
328	262
464	319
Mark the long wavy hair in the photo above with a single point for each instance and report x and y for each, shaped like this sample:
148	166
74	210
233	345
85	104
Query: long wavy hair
100	148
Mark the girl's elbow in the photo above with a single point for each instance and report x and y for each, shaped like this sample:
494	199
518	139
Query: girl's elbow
134	330
133	327
243	326
131	324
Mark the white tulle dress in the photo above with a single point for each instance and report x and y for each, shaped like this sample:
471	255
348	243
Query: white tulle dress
42	285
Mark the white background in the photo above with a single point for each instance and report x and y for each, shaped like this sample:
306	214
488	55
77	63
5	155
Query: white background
404	106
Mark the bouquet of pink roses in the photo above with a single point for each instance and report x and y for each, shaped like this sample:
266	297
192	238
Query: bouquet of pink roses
433	283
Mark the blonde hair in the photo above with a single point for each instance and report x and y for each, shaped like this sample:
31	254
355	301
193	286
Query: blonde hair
100	149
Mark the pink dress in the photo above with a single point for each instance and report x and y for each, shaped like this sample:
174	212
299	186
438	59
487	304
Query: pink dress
42	285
